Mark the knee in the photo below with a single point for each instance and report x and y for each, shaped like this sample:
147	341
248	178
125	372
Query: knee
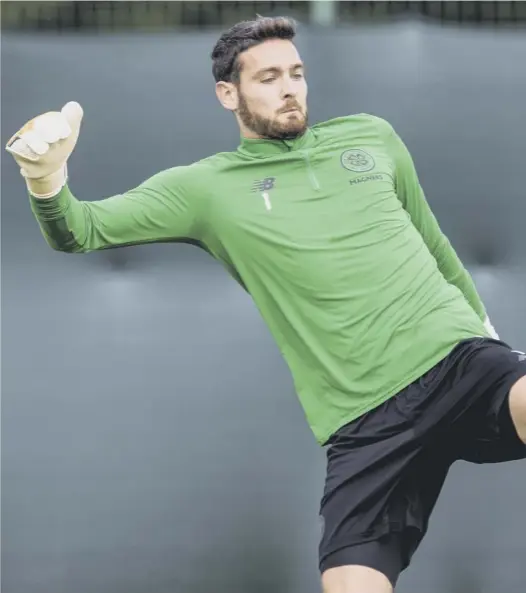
518	407
355	579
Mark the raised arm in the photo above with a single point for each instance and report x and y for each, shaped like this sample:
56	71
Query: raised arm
162	208
159	209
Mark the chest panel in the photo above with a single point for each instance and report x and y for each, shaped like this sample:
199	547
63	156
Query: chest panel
309	198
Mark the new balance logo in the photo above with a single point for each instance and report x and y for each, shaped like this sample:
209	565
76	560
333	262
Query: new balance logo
521	355
264	184
263	187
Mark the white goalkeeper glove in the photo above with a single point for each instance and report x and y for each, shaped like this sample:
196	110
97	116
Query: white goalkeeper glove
43	146
490	329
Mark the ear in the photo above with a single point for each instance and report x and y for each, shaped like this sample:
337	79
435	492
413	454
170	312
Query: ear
227	95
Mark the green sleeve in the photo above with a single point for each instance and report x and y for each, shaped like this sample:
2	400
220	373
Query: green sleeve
159	209
412	196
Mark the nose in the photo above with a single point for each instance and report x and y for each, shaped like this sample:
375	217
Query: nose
287	88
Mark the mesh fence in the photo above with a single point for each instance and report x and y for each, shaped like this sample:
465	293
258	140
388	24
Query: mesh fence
460	12
63	15
139	15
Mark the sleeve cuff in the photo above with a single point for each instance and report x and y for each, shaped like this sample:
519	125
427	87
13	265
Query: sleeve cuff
53	207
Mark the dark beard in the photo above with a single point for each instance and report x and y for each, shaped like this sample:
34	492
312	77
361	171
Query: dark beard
268	128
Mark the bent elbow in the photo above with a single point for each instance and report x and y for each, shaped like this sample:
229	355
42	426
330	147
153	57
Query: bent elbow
65	244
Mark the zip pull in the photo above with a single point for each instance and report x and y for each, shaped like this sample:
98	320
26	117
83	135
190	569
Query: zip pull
312	176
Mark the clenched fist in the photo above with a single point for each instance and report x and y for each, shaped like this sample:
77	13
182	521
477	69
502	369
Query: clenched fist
43	146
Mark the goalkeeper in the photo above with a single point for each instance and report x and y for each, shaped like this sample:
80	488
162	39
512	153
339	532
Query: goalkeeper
394	359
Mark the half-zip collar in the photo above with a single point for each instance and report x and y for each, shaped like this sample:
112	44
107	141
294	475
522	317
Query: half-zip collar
263	147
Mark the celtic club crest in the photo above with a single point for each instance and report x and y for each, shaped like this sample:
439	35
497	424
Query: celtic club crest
357	160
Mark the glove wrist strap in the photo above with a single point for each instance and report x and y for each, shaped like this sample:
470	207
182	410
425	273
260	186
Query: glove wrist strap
49	186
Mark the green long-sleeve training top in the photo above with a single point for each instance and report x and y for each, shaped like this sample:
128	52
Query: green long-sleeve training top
331	235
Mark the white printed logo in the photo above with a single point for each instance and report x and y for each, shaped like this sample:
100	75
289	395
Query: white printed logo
264	186
266	197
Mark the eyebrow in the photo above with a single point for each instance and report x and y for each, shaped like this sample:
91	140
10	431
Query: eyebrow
276	70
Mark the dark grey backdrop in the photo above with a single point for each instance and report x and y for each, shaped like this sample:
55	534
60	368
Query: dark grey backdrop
151	439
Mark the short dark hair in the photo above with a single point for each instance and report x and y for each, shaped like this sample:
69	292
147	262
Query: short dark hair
242	36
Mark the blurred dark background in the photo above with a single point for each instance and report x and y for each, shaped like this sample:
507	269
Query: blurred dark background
151	437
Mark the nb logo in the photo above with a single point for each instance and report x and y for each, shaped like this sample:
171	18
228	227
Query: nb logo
521	355
263	185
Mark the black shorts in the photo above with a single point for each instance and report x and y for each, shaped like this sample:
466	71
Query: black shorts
386	469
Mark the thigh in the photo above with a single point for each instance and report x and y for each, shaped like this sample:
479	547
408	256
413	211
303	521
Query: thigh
383	536
361	573
517	405
488	432
386	470
382	485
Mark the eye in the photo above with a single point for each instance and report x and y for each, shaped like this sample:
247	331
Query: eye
267	80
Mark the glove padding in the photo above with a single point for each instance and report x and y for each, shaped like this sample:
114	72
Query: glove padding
43	146
490	329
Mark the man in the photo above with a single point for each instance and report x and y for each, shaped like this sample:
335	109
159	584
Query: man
395	362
